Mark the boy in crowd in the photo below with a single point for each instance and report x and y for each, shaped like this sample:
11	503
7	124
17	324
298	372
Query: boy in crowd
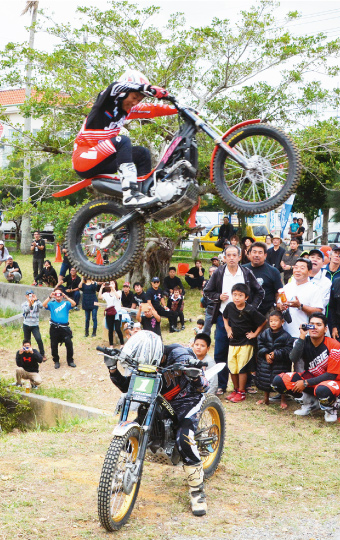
175	303
127	298
139	295
201	348
274	347
28	360
243	324
149	318
197	330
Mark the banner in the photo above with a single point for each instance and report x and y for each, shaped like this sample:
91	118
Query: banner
285	212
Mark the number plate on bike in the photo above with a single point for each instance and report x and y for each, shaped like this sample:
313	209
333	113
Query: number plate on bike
143	387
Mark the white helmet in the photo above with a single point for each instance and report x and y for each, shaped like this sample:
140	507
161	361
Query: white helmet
145	347
134	76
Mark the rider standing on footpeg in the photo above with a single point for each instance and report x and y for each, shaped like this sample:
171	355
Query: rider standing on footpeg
186	397
99	149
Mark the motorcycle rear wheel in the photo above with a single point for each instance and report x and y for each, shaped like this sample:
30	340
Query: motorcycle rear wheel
114	505
274	176
212	422
83	248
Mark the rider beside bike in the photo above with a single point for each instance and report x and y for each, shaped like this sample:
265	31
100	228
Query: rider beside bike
186	396
98	147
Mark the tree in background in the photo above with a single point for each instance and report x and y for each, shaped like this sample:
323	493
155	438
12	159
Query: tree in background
320	153
216	68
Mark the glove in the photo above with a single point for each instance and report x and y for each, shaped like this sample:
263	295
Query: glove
110	362
159	92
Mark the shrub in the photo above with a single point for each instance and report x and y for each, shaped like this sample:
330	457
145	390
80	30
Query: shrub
12	406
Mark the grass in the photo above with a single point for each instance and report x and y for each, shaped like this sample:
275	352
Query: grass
65	394
8	312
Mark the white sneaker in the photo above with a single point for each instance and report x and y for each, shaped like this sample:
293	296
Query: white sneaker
305	410
331	416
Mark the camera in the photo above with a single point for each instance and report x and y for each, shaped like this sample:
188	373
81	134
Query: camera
307	327
26	348
107	284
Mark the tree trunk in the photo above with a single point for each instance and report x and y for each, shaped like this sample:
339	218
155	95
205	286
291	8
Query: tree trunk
26	221
324	238
154	261
309	230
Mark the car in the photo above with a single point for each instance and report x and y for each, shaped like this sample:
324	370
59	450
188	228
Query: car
333	238
258	232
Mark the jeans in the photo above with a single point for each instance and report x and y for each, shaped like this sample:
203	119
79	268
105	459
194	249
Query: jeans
114	324
195	282
88	318
207	321
64	267
38	265
28	331
221	351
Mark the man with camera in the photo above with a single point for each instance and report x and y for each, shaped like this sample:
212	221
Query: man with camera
39	252
28	360
320	357
60	331
31	309
12	271
303	299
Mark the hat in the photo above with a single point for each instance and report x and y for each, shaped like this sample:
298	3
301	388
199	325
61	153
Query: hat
2	242
247	238
336	247
304	253
214	259
126	284
10	257
277	236
317	252
29	292
156	279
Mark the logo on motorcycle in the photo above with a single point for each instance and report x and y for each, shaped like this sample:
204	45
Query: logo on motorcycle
143	385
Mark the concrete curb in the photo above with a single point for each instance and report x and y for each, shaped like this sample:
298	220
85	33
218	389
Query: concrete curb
48	411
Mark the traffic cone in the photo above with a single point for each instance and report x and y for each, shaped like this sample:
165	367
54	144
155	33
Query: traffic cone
58	257
99	258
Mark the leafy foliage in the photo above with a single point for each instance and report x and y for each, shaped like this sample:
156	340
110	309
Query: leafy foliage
12	406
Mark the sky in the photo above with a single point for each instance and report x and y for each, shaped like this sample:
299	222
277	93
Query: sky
316	15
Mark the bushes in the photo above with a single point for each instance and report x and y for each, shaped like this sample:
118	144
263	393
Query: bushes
12	406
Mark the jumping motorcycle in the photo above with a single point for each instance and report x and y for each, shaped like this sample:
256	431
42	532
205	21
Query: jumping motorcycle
254	166
151	436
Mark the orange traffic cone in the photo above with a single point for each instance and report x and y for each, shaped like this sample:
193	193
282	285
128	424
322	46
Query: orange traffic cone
99	258
58	254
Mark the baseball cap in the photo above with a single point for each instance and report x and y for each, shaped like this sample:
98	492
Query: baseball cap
317	252
336	247
214	259
10	257
2	242
29	292
156	279
126	284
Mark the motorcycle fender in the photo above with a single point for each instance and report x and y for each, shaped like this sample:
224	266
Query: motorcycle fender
72	189
121	429
226	134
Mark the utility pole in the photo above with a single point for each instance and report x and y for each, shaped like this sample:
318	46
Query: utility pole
26	238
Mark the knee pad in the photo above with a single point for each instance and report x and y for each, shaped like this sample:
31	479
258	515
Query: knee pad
327	392
281	383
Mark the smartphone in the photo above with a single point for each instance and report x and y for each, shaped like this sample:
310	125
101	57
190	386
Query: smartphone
307	327
107	284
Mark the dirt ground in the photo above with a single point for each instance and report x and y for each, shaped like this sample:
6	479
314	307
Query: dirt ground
278	478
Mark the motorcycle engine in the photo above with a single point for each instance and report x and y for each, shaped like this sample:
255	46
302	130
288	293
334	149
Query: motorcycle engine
170	189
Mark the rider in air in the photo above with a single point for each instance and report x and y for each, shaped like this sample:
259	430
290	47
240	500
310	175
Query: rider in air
99	149
186	396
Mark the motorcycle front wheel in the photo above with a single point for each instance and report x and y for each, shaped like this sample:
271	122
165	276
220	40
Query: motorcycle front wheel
83	241
210	434
116	497
273	174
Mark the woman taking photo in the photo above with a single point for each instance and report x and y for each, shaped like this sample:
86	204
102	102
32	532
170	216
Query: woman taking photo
89	289
3	252
112	297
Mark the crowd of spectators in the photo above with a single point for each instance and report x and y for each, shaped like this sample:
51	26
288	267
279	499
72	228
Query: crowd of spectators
260	301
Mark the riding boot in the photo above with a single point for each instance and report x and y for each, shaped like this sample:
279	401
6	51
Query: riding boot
131	195
195	477
87	325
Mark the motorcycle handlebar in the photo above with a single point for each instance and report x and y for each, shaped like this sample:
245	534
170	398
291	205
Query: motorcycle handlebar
107	351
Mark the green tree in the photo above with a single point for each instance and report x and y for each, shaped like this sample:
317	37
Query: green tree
320	153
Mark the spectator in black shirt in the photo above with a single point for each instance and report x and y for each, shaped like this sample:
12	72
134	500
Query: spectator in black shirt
28	360
39	253
70	285
48	275
195	276
127	297
154	297
171	281
175	304
149	318
300	232
275	254
12	270
267	276
139	295
226	230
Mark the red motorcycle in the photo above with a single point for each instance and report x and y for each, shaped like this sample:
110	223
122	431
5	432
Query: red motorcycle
254	167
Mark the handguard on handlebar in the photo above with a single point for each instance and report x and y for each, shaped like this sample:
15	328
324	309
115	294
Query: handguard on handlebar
111	356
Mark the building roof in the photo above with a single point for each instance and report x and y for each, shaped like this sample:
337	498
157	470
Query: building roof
12	97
